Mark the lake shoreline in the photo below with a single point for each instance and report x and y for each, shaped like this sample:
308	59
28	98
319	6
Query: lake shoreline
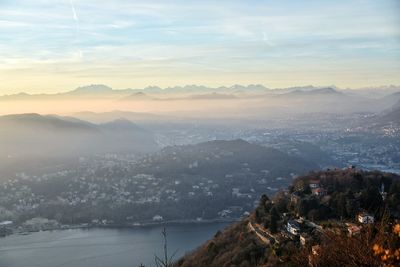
104	246
17	231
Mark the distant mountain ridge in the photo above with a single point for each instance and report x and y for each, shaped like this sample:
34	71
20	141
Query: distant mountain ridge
92	89
122	124
105	117
391	115
137	96
213	96
101	89
235	152
50	122
318	91
42	135
197	101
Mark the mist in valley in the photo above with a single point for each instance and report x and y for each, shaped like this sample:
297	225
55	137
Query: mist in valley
261	133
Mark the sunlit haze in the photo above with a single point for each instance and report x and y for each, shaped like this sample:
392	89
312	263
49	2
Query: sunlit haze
55	46
182	133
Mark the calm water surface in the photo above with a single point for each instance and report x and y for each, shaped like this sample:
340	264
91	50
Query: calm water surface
101	247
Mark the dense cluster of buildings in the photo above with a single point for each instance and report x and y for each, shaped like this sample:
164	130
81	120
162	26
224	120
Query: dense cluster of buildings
112	183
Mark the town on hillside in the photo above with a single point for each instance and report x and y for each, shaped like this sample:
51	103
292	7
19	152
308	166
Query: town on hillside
320	218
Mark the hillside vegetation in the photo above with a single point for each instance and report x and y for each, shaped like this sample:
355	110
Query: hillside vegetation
316	222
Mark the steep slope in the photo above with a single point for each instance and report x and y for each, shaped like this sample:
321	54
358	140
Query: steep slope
264	238
387	119
391	115
235	246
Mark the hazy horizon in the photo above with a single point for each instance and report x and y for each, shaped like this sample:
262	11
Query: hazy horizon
223	86
53	46
278	121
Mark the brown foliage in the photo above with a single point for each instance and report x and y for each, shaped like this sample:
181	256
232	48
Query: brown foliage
387	246
375	246
235	246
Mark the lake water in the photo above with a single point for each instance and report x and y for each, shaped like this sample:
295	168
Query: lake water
101	246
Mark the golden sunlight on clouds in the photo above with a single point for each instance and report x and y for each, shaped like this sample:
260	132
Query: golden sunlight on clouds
56	78
51	47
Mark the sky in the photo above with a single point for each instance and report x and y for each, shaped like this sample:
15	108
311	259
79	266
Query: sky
49	46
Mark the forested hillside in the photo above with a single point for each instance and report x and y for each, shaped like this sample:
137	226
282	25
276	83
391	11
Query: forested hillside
346	217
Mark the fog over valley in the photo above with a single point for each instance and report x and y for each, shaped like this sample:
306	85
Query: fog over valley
199	133
253	101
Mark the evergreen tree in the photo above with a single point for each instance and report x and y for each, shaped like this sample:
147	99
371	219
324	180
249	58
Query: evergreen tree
274	215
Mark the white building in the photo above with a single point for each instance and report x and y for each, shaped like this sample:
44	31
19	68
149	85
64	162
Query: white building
6	223
318	192
314	184
293	227
157	218
365	218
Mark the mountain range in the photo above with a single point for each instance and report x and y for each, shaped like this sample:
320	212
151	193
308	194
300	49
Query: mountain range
30	135
252	102
391	115
100	89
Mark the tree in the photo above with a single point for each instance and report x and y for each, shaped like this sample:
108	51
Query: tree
299	185
351	207
302	208
341	205
314	214
264	198
394	195
371	200
281	202
387	246
166	261
274	215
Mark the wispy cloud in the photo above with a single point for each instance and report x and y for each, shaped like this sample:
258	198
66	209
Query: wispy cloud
75	17
78	53
201	39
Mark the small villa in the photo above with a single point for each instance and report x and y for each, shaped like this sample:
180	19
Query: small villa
157	218
314	184
293	227
365	218
318	192
6	223
353	229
